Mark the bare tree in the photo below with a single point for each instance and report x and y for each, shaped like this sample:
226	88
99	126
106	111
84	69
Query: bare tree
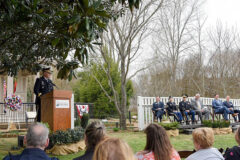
122	43
175	34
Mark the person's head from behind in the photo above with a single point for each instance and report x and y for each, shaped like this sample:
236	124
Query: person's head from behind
113	149
203	138
237	136
37	136
158	142
94	133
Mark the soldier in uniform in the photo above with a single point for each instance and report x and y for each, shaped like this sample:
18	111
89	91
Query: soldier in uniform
158	108
172	110
42	86
186	109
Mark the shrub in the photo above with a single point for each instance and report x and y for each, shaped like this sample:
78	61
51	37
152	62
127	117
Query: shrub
115	129
84	120
225	124
77	122
207	123
216	124
66	137
170	126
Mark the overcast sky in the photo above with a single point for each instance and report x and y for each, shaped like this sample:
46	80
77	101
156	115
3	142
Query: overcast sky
226	11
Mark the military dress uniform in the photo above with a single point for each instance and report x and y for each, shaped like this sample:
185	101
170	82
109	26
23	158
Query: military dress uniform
172	110
184	106
41	87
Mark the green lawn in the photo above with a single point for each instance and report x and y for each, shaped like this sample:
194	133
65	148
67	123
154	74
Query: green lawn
136	140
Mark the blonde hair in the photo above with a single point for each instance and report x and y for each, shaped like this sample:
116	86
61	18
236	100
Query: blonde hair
113	149
204	137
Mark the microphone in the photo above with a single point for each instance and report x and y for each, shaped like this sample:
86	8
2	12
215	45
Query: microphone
53	84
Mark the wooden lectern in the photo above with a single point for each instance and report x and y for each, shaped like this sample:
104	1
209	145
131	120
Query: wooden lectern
56	109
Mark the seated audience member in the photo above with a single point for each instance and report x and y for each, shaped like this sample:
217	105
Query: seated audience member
219	107
199	109
234	153
94	133
233	111
186	109
203	139
172	110
36	141
158	146
113	149
158	108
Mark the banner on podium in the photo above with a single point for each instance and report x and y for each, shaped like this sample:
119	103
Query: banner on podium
62	103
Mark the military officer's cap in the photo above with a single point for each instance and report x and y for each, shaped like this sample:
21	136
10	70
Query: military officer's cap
47	69
185	96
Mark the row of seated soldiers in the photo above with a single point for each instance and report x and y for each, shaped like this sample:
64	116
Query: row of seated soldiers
195	107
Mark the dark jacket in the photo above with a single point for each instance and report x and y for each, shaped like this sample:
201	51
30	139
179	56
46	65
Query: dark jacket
171	106
30	154
228	104
87	156
157	105
232	153
217	103
183	106
42	86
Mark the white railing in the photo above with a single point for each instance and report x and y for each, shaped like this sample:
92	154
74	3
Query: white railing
16	116
145	115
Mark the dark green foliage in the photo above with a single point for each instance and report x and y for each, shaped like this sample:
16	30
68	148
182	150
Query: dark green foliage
216	124
115	129
88	90
207	123
84	120
66	137
42	32
77	122
170	126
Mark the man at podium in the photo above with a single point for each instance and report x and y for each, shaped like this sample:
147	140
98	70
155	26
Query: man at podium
42	86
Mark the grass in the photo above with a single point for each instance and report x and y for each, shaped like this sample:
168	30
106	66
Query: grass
135	139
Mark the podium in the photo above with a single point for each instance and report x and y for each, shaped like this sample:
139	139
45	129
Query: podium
56	109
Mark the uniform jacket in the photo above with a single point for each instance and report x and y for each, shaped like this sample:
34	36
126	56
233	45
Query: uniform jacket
157	105
171	107
194	104
217	104
30	154
42	86
228	104
185	106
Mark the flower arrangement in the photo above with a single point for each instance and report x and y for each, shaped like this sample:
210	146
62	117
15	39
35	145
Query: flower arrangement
14	103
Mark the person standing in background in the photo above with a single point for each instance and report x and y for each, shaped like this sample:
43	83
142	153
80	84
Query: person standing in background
42	86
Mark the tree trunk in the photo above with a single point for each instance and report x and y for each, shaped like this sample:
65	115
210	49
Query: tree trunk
123	109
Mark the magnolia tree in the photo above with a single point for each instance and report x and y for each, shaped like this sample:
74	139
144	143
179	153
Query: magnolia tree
47	32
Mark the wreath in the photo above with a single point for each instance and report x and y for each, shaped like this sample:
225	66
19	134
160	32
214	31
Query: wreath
14	103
